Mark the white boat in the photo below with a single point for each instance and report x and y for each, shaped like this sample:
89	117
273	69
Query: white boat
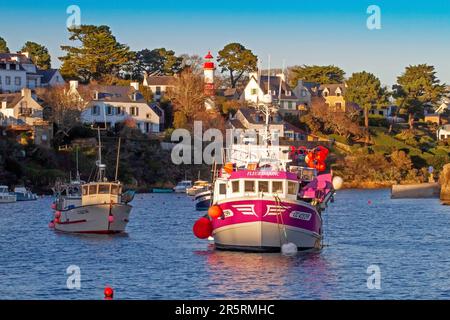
182	186
101	208
198	187
24	194
6	196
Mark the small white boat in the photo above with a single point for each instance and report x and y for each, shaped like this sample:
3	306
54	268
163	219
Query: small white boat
101	208
6	196
198	187
182	186
24	194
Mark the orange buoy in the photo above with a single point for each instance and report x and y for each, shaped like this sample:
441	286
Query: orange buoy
215	212
228	167
202	228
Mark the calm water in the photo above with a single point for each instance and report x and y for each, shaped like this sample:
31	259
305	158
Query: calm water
160	258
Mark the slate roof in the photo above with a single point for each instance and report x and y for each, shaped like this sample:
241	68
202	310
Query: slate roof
47	75
12	99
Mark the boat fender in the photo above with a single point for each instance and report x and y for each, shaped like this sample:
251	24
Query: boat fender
202	228
215	212
109	293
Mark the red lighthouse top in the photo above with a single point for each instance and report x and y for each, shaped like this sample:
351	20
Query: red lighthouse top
209	56
209	65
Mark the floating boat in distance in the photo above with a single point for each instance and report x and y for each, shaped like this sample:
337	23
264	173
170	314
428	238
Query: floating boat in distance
162	190
198	187
182	186
24	194
102	209
203	200
6	196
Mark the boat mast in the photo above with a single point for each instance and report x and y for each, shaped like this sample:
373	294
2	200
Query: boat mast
117	161
101	167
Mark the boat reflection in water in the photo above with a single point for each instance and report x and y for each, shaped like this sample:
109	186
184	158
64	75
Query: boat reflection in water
268	275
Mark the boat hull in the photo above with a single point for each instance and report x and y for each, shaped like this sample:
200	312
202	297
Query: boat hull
265	225
8	198
95	219
26	197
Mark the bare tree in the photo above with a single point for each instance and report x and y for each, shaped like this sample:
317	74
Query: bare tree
64	108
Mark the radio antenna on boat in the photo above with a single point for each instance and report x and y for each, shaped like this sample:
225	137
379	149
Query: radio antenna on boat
117	161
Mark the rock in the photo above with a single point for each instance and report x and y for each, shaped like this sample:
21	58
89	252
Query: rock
415	191
444	180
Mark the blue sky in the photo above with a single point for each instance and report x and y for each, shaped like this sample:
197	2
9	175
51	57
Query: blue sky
299	32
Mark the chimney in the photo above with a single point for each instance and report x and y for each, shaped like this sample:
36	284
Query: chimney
26	93
135	85
73	84
95	95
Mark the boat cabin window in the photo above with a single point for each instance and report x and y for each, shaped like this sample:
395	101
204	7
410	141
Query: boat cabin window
249	186
235	186
115	189
292	187
263	186
277	187
85	191
93	189
103	189
222	188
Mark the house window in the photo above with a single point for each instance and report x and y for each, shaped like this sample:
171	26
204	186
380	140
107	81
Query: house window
95	110
17	81
338	94
253	92
148	115
134	111
8	80
147	127
158	91
338	105
325	94
109	110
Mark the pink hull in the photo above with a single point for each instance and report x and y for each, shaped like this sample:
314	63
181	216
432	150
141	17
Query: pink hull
264	224
298	215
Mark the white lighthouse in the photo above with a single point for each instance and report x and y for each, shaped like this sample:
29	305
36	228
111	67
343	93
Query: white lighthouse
208	70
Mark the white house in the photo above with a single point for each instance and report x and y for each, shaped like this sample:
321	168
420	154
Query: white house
17	71
443	132
282	94
158	85
109	105
20	113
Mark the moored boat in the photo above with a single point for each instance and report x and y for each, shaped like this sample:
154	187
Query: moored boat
101	208
198	187
263	201
6	196
203	200
182	186
24	194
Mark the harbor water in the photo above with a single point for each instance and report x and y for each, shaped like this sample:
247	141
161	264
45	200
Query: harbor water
159	258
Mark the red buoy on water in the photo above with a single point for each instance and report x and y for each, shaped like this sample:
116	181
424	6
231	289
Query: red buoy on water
109	293
215	212
202	228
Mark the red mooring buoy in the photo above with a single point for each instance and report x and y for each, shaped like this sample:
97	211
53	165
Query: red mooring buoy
109	293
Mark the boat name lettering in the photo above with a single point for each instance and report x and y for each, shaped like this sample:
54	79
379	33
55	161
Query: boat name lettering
306	216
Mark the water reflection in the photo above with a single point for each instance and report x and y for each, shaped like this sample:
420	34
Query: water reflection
233	275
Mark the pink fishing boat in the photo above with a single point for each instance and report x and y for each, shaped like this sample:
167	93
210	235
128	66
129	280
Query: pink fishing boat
262	199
